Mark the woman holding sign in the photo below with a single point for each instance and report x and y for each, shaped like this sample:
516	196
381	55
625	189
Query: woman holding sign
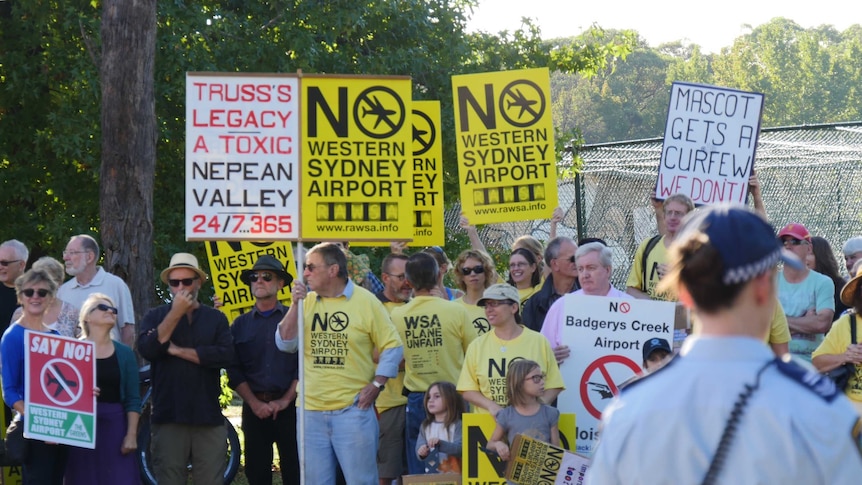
118	406
483	375
44	462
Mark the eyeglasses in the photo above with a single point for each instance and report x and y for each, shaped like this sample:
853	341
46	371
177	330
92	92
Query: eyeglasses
310	267
105	308
184	281
536	378
7	263
518	265
496	303
264	276
399	277
42	292
69	253
478	269
793	242
570	259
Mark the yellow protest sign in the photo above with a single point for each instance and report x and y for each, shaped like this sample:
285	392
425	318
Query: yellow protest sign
356	158
227	260
429	228
481	468
505	140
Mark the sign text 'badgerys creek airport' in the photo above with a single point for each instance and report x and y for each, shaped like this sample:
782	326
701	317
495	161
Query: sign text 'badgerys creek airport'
242	156
505	140
709	145
357	180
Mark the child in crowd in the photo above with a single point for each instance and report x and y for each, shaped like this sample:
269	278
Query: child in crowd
526	414
657	353
439	442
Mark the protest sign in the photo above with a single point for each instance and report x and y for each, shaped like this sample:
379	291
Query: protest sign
709	143
242	156
357	170
227	260
605	336
533	462
505	139
482	468
58	396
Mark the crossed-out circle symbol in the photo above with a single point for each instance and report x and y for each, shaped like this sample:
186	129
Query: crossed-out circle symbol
338	321
513	96
481	324
625	307
601	365
382	105
423	135
56	372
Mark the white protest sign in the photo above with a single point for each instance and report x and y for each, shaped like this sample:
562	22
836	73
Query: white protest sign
242	157
709	143
606	337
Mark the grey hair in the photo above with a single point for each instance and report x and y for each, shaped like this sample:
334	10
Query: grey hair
605	253
21	251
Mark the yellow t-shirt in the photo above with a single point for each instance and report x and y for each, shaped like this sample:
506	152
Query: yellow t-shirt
526	293
836	342
477	317
779	331
657	256
435	334
488	358
340	337
391	395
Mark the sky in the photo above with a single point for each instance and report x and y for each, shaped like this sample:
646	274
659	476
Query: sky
710	25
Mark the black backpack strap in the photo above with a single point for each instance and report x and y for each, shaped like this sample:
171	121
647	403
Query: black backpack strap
852	328
648	249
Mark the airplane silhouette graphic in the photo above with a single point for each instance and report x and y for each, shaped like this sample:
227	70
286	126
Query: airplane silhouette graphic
69	384
522	102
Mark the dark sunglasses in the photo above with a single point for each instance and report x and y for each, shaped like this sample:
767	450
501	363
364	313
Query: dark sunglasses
184	281
42	292
264	276
7	263
792	242
478	269
105	308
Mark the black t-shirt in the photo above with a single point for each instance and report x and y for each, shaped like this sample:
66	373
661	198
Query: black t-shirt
8	304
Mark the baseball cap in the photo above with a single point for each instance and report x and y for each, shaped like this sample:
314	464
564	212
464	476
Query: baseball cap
796	231
500	291
853	245
745	242
654	344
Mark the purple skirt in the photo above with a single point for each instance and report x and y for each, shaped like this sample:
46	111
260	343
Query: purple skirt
104	465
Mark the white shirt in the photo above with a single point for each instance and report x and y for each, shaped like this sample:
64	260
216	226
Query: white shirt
105	283
666	427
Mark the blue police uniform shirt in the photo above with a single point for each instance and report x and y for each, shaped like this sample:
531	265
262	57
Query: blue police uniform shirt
665	428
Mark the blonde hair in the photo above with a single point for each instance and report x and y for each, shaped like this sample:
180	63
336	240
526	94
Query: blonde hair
487	264
89	305
54	268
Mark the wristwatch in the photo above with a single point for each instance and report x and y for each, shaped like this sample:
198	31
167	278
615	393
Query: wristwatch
378	385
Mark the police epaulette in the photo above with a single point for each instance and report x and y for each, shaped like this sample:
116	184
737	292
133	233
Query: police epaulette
809	379
632	381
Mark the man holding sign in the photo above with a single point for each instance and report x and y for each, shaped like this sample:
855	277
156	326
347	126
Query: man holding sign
726	409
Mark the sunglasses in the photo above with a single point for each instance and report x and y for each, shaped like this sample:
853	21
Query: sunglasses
105	308
536	378
184	281
792	242
42	292
7	263
478	269
264	276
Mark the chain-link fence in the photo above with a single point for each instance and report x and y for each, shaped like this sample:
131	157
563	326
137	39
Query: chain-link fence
808	174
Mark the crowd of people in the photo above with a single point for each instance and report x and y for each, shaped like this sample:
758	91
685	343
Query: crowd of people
388	373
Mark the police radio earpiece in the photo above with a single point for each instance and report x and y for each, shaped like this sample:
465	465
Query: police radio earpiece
730	428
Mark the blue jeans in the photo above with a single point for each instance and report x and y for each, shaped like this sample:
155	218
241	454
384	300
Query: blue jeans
415	416
347	436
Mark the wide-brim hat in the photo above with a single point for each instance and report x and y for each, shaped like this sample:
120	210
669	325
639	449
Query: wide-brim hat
183	260
850	288
745	242
500	291
267	263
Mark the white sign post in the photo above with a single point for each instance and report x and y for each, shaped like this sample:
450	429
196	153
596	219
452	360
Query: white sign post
709	143
242	157
606	338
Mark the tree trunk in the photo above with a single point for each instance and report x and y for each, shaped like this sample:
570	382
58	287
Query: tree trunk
129	144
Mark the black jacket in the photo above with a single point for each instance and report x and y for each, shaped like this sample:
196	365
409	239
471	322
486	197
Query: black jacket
537	306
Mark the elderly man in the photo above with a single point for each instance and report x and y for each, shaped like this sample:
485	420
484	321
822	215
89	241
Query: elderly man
563	279
726	408
852	253
343	325
807	297
265	378
81	255
593	261
187	344
13	259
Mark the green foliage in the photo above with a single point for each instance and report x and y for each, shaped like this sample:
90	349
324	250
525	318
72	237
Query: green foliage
226	396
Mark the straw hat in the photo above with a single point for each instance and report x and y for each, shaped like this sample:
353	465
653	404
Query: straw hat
183	260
